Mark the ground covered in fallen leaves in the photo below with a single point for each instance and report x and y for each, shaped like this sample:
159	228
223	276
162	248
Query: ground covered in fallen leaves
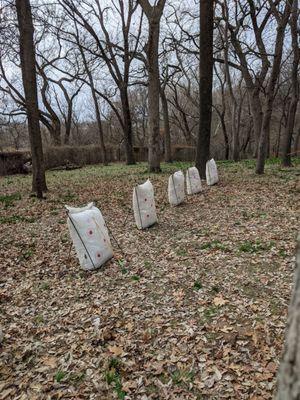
195	309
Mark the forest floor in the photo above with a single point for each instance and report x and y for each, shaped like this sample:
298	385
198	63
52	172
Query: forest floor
196	309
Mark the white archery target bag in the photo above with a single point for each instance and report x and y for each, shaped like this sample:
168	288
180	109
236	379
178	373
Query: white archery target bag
193	181
144	205
211	172
89	235
176	188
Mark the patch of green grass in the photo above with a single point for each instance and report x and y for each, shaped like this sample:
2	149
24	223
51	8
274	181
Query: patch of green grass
197	285
209	313
263	215
13	219
246	216
255	247
54	212
147	264
44	286
39	319
181	252
151	389
211	336
182	376
135	278
282	253
113	377
273	161
215	289
9	199
60	376
115	363
214	244
28	253
164	378
121	264
68	196
275	307
65	238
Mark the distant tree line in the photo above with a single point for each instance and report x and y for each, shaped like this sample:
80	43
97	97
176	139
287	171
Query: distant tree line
153	73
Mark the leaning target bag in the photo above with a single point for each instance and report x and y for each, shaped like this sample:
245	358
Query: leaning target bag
144	205
89	235
193	181
211	172
176	188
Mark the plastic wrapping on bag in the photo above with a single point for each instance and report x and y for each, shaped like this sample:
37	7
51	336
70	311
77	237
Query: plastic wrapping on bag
144	205
89	235
211	172
176	193
193	181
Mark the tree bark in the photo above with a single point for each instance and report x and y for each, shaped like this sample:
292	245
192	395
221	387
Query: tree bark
296	145
289	371
68	123
287	148
153	97
167	135
27	56
206	75
153	14
265	129
127	127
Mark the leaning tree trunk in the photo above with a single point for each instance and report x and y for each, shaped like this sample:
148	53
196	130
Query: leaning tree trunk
206	75
167	136
27	56
287	147
289	371
225	134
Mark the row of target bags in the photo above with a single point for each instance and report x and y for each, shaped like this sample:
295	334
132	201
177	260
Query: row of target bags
90	234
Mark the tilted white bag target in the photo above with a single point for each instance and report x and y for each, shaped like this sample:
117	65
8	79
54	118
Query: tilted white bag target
211	172
176	188
144	205
193	181
89	235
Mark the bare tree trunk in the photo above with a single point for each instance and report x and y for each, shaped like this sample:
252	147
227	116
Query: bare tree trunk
282	121
225	134
153	97
127	128
167	135
296	145
100	130
96	105
153	14
235	134
289	372
222	113
68	121
257	116
286	156
27	55
265	130
206	75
